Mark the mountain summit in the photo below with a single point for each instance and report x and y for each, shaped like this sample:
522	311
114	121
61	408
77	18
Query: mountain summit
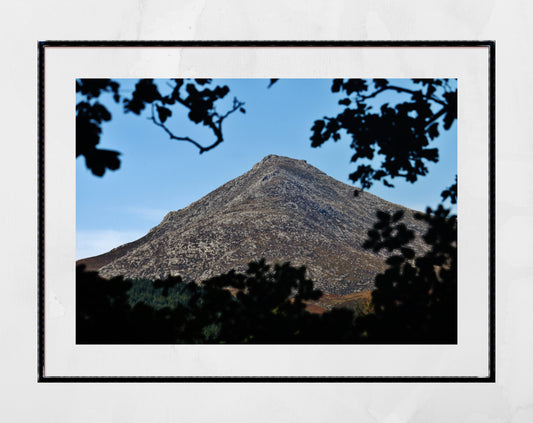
283	210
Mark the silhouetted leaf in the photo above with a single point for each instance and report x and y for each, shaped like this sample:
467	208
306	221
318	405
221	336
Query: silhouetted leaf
163	113
408	253
336	86
380	83
397	216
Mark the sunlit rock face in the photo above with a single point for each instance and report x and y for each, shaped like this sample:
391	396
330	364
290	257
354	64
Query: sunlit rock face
283	210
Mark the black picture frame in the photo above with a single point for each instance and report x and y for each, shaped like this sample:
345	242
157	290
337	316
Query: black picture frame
42	378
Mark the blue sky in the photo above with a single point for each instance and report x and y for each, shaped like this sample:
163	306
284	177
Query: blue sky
158	175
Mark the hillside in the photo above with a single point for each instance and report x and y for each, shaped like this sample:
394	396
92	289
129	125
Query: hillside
283	210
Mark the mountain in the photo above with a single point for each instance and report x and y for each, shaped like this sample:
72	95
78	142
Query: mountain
283	210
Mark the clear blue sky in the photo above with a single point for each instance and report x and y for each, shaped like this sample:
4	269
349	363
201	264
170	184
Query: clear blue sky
158	175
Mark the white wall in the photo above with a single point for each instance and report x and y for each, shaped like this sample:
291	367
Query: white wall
23	24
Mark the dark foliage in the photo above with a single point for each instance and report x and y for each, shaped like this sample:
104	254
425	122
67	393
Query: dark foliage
268	306
263	306
399	135
194	95
104	315
450	193
90	114
415	299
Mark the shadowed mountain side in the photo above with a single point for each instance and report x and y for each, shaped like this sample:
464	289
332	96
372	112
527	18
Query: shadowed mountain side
283	210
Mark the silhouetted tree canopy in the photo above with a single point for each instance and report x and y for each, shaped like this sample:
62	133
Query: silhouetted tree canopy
415	299
194	95
262	305
90	114
398	135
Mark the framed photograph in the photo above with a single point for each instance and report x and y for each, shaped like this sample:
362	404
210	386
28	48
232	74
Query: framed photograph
266	211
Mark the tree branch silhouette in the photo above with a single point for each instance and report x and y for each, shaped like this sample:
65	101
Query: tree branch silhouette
194	94
215	124
398	134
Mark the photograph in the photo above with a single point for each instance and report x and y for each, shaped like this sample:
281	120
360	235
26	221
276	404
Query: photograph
225	210
221	211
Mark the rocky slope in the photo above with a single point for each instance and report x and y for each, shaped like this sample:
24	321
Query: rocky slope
283	210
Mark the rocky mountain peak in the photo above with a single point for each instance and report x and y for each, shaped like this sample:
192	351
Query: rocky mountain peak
275	160
282	210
